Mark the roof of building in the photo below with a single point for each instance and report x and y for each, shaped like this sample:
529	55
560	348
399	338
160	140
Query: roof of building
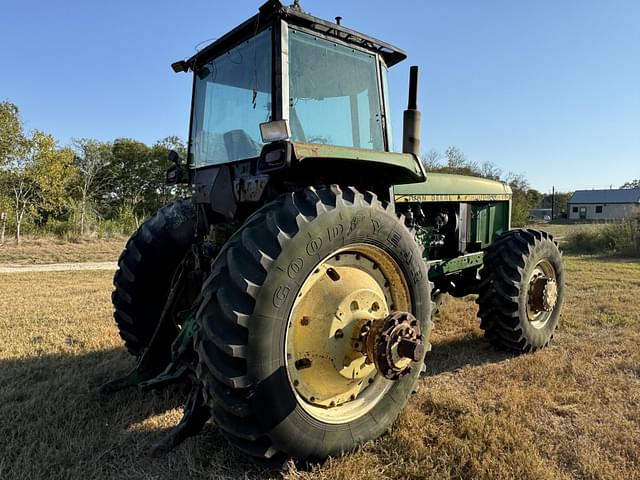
626	195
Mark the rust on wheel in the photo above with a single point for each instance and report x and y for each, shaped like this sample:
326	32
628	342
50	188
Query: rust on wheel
542	295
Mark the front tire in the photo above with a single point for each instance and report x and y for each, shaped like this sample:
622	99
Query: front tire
266	285
521	290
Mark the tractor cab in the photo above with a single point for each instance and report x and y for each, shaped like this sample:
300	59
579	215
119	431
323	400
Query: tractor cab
285	90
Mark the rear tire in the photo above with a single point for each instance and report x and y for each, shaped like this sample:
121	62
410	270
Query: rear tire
245	320
145	270
511	314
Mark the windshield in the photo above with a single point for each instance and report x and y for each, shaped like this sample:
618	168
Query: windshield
334	94
232	98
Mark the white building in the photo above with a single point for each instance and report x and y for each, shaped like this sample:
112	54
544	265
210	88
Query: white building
604	204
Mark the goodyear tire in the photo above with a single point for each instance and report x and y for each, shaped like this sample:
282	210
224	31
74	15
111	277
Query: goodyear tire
246	324
145	270
521	290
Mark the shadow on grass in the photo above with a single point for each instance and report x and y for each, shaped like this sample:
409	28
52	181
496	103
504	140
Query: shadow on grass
54	424
449	355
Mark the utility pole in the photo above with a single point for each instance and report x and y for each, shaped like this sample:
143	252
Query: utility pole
553	202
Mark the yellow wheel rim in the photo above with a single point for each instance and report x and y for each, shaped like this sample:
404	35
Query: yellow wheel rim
333	379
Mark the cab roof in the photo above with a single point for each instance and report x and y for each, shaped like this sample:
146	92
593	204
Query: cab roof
274	9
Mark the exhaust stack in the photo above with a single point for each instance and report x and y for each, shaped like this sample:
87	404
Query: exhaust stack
412	117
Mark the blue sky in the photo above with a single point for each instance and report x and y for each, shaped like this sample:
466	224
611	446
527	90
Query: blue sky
547	88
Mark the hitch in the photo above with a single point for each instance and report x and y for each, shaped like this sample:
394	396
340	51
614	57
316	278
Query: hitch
196	414
178	370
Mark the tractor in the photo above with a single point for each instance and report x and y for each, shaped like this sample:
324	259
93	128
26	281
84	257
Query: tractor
294	290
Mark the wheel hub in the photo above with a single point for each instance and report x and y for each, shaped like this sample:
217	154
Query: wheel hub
393	344
543	294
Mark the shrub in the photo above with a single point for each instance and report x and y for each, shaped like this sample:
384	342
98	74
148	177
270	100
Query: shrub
619	239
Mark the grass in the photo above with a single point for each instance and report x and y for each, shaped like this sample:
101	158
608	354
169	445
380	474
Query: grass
563	230
39	250
570	411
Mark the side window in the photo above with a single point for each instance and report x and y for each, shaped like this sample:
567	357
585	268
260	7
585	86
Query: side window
574	209
599	209
232	98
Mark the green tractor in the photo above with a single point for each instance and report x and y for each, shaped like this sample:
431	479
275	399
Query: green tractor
294	290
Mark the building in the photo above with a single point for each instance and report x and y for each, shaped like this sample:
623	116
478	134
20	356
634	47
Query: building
540	213
604	204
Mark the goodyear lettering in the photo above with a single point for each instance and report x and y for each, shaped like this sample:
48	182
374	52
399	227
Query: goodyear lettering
280	295
394	238
354	223
375	225
314	246
334	232
294	267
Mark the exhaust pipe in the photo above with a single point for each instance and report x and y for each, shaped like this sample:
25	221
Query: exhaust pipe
412	117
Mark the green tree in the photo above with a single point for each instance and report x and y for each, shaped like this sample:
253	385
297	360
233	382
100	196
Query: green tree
631	184
37	176
160	163
11	136
128	173
534	198
91	159
519	200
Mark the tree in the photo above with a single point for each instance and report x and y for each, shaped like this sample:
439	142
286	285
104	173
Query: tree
455	158
534	198
132	180
632	184
11	135
519	201
91	159
159	164
37	177
431	160
490	171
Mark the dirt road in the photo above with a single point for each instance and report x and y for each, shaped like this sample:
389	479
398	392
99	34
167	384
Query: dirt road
57	267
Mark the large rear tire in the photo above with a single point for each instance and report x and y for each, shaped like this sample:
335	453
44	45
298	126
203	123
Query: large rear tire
283	272
145	270
521	290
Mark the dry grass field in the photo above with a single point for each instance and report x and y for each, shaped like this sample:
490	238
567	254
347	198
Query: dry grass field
50	250
571	411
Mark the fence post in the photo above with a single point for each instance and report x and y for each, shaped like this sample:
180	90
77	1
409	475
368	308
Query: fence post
3	225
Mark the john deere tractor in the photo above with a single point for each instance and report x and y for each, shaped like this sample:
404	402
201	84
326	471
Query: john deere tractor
294	290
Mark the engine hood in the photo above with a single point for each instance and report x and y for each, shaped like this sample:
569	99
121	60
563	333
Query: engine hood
444	187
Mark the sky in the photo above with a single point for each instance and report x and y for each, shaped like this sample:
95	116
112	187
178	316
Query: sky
549	88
